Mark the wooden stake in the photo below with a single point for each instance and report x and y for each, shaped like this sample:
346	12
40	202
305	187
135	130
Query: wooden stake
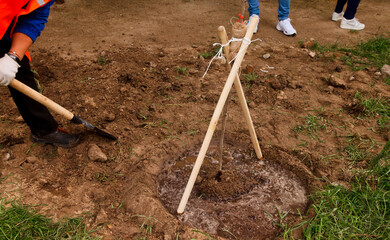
241	96
244	106
217	112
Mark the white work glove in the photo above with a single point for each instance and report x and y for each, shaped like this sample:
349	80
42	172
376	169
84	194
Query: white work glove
8	70
250	18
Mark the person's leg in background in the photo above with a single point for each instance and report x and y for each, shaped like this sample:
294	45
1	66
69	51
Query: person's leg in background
253	10
253	7
348	20
284	9
284	23
351	9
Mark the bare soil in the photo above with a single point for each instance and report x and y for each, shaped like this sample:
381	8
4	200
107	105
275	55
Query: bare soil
121	66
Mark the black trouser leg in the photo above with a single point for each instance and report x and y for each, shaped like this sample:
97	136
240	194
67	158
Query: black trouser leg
340	5
351	9
37	116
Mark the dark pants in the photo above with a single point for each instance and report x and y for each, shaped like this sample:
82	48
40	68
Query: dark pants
351	8
37	116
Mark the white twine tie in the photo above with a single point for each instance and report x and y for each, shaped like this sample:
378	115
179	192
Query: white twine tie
219	54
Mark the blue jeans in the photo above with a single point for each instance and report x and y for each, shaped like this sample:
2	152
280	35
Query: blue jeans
283	11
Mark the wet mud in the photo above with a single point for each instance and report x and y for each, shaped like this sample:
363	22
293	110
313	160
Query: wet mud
243	200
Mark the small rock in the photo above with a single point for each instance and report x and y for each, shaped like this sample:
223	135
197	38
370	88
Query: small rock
312	54
279	83
337	82
110	117
91	101
308	44
385	70
19	119
6	157
338	69
101	217
96	154
161	54
193	71
330	89
295	84
32	159
249	69
198	179
123	90
266	56
378	73
152	108
282	95
351	78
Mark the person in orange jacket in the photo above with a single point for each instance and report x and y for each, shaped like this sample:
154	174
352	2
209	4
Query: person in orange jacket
21	22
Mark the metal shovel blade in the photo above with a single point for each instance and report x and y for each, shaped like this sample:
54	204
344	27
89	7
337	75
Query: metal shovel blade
86	124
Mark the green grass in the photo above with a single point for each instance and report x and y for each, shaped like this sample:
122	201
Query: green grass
384	124
359	212
182	70
146	228
374	52
323	48
376	107
358	148
248	79
102	61
311	125
209	54
19	221
373	106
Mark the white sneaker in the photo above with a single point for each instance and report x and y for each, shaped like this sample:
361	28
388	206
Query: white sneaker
352	24
286	27
250	18
337	16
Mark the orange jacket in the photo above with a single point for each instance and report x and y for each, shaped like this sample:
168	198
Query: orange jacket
10	10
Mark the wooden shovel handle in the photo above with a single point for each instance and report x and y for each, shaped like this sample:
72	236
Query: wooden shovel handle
26	90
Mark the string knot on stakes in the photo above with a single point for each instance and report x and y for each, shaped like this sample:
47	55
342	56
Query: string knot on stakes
219	54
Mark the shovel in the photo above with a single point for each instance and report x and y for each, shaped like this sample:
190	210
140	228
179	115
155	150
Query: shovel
26	90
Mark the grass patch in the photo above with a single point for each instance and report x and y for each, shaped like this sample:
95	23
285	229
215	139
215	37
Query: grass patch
358	148
376	107
182	70
209	54
384	124
23	222
359	212
373	106
311	125
249	79
374	52
323	48
146	228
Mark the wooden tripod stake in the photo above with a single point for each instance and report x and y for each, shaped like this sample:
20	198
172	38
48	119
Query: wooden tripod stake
233	77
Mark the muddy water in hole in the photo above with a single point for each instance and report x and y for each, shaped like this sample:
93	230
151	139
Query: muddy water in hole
236	202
